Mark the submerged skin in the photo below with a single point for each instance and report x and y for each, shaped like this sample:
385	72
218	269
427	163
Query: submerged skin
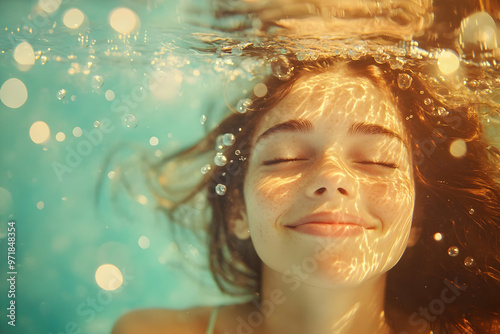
350	158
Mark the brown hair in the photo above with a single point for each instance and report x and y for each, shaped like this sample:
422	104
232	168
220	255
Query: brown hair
456	197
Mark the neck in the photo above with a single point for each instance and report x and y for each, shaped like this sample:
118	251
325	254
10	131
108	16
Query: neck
291	306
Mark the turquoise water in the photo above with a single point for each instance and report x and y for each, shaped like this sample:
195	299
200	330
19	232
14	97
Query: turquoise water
48	189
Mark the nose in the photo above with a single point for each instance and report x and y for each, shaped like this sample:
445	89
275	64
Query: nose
331	180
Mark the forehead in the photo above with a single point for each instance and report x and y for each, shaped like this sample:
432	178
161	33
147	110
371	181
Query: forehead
336	98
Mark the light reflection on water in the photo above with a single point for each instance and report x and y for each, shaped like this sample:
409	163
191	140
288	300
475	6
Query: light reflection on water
143	72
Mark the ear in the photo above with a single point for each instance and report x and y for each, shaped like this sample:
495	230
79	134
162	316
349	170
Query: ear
415	232
239	226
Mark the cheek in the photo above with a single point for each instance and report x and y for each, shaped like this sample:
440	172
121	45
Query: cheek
273	193
391	202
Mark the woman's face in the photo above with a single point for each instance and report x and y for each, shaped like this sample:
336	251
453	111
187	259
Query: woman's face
329	190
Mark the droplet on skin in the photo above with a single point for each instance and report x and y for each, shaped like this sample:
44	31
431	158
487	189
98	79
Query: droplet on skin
220	159
243	105
453	251
228	139
220	189
404	81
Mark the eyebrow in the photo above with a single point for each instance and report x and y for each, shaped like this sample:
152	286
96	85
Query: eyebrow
304	125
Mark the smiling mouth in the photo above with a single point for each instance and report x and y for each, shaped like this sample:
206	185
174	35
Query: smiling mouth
330	224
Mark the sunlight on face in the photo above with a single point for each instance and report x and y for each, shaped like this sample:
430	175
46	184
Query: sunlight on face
329	191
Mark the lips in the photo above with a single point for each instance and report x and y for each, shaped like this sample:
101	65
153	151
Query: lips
330	224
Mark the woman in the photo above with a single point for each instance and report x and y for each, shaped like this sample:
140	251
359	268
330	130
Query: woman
317	191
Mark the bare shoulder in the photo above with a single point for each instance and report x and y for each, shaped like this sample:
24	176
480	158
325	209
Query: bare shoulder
188	321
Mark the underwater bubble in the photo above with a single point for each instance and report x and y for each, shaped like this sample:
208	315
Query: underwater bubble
39	132
471	211
97	124
396	63
237	152
453	251
111	175
129	121
61	94
153	141
220	159
109	95
97	82
441	111
438	236
108	277
220	189
73	18
427	101
280	67
469	261
13	93
381	58
260	90
458	148
228	139
404	81
448	62
205	169
243	105
43	60
237	50
203	119
40	205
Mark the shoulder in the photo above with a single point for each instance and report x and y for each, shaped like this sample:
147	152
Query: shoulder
192	321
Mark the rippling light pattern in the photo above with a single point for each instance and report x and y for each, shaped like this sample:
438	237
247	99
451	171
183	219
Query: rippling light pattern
108	277
448	62
13	93
39	132
73	18
124	20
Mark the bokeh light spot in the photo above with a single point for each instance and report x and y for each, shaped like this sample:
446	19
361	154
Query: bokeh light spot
153	141
13	93
108	277
458	148
40	205
60	136
110	95
448	62
165	85
39	132
73	18
77	131
260	90
24	54
124	20
49	6
143	242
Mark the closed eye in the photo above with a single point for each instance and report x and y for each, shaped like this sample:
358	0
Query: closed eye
379	163
280	160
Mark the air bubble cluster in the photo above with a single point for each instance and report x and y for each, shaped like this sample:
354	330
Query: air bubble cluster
220	189
404	81
228	139
243	105
220	159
